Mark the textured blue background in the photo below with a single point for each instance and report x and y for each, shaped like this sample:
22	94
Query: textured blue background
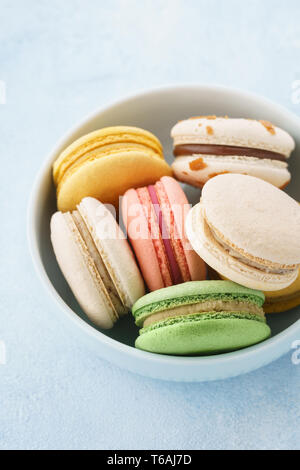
61	60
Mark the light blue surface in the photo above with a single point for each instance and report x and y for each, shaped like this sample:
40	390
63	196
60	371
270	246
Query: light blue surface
60	60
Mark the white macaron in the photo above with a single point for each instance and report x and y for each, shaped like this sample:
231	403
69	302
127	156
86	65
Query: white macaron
97	262
208	146
248	231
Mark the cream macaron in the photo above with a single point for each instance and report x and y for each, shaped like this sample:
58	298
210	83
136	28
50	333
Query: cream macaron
248	231
97	261
208	146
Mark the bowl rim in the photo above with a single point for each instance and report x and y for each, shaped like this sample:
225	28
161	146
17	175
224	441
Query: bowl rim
278	345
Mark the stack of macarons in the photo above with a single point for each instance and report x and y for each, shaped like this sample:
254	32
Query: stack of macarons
244	229
91	250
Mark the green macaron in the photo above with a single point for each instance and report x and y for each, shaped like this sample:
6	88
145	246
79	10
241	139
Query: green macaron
200	318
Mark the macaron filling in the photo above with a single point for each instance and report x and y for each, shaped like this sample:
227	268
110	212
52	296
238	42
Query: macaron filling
214	305
174	268
202	302
226	150
221	315
154	235
166	242
173	216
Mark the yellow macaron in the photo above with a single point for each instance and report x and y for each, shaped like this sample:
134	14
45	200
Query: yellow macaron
284	299
275	301
105	163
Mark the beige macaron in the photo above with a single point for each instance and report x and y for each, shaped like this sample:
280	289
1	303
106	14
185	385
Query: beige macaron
247	230
97	261
208	146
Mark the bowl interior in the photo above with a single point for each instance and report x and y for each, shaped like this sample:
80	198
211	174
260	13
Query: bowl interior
158	111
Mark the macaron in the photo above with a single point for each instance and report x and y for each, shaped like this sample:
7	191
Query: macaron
154	217
200	318
208	146
96	261
105	163
247	230
284	299
275	301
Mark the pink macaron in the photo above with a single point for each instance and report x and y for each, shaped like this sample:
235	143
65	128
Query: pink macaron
154	217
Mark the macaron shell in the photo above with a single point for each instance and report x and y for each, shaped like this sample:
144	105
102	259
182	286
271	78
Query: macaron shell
203	337
178	200
114	250
109	177
149	250
135	220
74	266
198	169
101	270
222	262
103	142
252	227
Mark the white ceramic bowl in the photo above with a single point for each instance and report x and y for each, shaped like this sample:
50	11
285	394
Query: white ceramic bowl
158	110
